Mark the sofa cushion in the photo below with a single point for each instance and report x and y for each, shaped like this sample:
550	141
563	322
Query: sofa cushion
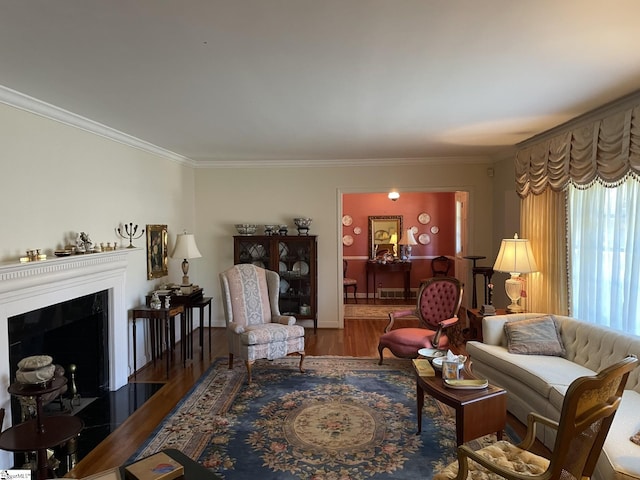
534	336
540	372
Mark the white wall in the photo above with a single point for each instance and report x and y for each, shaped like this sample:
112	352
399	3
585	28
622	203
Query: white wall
57	180
506	206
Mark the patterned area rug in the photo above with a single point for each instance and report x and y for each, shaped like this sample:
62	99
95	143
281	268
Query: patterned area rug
344	418
363	310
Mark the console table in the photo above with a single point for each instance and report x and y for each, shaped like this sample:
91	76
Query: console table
395	267
163	315
42	432
191	301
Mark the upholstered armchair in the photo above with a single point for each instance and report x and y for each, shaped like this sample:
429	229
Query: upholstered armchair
437	308
255	327
588	408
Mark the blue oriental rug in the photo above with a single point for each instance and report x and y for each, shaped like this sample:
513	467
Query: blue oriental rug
344	418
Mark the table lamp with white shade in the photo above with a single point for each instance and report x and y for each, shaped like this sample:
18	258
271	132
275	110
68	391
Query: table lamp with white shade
185	248
407	241
515	257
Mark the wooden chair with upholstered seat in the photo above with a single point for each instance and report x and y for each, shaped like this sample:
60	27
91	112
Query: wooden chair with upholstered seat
255	327
348	282
589	406
437	308
441	266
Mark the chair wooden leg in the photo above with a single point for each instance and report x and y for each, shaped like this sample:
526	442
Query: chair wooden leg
248	363
301	360
380	349
355	291
230	361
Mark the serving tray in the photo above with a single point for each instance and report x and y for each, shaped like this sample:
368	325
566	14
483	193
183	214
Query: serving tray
466	384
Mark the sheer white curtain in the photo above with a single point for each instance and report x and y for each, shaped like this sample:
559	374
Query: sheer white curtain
604	249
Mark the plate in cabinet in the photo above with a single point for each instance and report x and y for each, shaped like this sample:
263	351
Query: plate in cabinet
284	250
301	267
282	267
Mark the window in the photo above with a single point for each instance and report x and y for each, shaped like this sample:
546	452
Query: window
604	253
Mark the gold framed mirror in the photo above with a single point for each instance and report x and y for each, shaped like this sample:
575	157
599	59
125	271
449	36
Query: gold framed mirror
384	234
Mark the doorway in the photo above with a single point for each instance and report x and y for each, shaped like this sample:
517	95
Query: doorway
438	221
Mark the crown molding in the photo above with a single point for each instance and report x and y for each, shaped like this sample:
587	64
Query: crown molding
29	104
344	162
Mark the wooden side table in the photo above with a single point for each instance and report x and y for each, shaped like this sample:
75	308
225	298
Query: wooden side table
164	316
42	432
475	322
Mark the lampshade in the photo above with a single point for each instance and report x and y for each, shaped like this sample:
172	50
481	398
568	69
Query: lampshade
186	248
516	257
408	238
407	241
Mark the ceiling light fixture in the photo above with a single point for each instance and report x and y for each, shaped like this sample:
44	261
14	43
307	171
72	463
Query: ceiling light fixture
393	195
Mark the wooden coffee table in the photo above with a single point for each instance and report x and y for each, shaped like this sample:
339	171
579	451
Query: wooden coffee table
478	412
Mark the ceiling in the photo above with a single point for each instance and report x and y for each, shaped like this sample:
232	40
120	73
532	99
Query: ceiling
246	82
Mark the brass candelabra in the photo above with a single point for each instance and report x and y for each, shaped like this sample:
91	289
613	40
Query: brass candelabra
130	231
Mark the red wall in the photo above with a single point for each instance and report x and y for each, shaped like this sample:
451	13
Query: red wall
439	205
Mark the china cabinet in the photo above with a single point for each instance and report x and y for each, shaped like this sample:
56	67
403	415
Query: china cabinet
295	260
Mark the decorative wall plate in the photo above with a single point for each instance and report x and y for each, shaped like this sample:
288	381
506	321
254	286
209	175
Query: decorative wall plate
357	230
414	229
347	240
424	239
347	220
434	229
424	218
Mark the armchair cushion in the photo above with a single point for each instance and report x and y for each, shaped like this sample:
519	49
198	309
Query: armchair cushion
407	341
505	455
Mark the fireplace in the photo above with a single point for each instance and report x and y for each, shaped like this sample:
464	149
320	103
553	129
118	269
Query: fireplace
71	332
37	285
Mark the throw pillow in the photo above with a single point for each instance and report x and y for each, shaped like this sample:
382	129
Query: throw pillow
534	336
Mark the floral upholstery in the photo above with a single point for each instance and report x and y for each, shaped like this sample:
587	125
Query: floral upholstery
437	307
255	327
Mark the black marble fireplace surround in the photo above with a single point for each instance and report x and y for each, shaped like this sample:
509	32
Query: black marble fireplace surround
72	332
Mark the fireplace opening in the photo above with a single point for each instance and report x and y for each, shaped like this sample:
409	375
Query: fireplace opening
72	332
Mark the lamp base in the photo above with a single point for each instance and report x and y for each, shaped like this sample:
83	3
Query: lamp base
514	308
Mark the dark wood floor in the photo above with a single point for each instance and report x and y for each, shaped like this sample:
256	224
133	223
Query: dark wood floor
359	338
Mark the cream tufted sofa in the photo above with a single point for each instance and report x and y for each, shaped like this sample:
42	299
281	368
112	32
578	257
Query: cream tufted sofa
538	383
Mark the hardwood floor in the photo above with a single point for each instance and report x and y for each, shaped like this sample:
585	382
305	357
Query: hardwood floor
359	338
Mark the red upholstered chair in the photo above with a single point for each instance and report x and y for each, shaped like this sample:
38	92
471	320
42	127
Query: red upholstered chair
437	307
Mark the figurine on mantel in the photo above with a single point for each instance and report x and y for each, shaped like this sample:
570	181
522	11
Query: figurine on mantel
84	243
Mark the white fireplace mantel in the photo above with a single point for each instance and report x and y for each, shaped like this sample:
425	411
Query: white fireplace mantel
30	286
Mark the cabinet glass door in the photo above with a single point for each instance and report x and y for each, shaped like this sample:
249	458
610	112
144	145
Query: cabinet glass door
295	268
253	250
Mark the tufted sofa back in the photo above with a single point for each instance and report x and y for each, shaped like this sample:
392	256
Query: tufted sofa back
587	344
